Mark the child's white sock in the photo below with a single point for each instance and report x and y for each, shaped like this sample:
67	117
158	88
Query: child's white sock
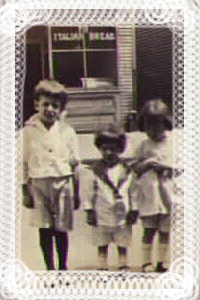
163	250
103	261
122	260
147	253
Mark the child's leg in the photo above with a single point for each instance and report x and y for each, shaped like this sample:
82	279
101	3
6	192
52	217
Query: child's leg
46	243
61	239
123	239
147	246
103	257
122	253
163	248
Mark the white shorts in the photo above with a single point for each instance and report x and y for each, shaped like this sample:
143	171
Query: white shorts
53	204
159	221
104	235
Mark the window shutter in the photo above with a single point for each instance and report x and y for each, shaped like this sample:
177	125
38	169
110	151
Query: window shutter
154	64
125	58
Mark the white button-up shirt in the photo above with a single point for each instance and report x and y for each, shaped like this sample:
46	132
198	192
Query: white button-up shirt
48	153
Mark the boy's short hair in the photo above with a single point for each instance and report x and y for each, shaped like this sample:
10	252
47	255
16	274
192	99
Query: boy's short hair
151	111
111	133
52	88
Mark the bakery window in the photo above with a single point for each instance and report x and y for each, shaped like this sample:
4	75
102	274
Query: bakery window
83	56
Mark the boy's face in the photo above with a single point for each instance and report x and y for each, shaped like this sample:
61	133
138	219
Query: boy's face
48	108
109	152
154	127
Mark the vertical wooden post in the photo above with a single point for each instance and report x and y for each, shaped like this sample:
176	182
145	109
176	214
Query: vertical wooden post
85	53
50	53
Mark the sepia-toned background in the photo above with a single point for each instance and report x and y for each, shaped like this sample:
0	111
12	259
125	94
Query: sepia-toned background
109	73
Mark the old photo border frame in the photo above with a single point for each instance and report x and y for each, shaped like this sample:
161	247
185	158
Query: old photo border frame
182	280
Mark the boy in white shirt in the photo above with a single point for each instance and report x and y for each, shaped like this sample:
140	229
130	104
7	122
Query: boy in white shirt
154	184
108	198
50	162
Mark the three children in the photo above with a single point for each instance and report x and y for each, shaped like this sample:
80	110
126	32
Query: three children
51	164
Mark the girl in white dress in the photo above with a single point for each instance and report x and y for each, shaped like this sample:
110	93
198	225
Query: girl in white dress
153	181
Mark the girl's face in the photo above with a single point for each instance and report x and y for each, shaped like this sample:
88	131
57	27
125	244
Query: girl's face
154	127
109	152
49	109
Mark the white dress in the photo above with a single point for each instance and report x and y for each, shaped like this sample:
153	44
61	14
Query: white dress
152	199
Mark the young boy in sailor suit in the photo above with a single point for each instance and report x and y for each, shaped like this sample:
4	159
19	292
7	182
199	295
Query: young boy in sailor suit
108	198
50	159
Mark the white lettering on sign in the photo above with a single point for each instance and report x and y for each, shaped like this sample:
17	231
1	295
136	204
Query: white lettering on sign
93	36
67	36
102	36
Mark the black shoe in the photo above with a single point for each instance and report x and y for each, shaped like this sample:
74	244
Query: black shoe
124	268
102	269
63	268
160	268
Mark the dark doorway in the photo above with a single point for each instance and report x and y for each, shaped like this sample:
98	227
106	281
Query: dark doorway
36	65
33	75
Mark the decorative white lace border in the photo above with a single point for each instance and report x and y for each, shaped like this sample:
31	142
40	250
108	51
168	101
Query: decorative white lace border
182	280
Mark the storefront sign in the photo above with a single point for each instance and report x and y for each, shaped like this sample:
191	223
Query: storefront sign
74	37
68	36
102	36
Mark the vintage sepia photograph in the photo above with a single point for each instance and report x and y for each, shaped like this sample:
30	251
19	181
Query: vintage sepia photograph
99	176
98	149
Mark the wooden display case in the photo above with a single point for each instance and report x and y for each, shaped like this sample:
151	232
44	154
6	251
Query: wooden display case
88	109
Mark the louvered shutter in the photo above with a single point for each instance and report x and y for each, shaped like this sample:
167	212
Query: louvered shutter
124	63
154	64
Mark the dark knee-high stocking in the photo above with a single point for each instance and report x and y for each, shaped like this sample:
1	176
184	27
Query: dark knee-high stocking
61	239
46	243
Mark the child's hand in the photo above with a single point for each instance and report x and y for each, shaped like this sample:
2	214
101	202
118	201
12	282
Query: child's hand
131	217
28	200
91	217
